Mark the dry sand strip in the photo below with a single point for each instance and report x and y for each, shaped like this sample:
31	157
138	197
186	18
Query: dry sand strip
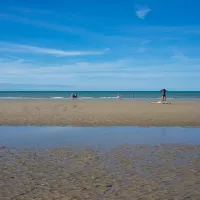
99	113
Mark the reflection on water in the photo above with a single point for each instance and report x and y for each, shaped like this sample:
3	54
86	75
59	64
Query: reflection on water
30	136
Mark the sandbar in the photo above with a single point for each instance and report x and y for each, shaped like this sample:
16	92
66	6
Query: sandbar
99	113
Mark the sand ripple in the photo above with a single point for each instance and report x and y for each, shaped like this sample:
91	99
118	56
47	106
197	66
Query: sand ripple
126	172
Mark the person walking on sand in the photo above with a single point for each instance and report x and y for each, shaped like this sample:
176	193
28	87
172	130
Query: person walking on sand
163	91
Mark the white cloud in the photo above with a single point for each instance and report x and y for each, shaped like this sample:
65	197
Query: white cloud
142	11
93	75
24	73
9	47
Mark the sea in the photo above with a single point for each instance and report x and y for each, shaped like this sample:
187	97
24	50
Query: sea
97	95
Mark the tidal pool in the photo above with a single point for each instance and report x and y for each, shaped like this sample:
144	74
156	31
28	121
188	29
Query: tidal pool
108	137
131	163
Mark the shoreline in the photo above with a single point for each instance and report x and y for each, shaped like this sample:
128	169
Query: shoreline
98	98
99	113
145	95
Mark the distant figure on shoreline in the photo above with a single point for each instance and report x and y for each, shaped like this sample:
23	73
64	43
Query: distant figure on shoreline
163	101
119	97
132	95
164	98
74	96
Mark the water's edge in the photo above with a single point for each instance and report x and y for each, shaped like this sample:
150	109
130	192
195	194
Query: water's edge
103	95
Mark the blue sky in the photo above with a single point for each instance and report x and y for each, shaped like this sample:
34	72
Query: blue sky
99	45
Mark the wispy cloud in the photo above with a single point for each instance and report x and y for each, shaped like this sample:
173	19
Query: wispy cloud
68	29
10	58
141	49
155	30
29	10
9	47
142	11
10	86
39	23
95	75
117	69
107	49
179	55
144	42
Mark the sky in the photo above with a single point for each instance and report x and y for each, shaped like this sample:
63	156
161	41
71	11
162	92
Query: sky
100	45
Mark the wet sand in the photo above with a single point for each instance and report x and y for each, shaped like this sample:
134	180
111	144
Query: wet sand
125	172
99	113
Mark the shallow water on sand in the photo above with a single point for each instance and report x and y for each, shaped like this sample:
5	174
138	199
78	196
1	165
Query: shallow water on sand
67	163
107	137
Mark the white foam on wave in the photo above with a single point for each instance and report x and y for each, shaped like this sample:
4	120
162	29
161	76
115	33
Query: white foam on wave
57	97
12	97
86	97
96	98
107	97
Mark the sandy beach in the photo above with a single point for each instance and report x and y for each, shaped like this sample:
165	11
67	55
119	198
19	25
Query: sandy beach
126	172
99	113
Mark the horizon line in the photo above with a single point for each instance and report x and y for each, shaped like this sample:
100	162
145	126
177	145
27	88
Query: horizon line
98	90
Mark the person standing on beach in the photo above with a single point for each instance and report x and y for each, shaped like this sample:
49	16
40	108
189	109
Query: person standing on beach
74	96
163	91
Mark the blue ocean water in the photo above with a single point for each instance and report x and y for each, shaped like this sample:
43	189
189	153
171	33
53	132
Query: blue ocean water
98	94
